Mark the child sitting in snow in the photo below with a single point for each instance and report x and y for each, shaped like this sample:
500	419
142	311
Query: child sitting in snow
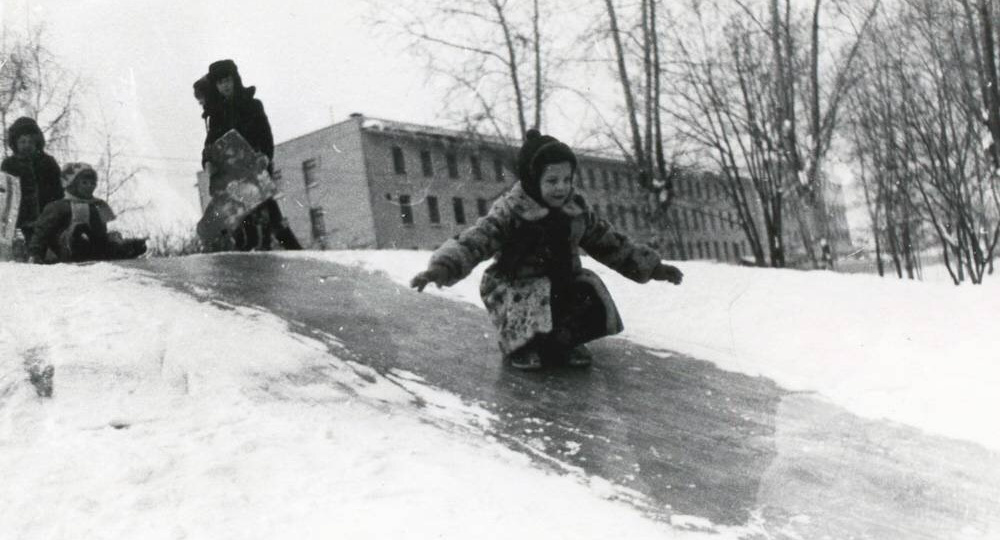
75	227
544	304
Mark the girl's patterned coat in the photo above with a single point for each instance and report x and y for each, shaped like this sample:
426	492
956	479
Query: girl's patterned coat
516	288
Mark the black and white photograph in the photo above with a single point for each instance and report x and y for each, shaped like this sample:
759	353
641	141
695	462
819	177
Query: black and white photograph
500	269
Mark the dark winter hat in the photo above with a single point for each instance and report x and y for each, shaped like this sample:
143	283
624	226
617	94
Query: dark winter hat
24	126
221	69
75	170
536	153
202	87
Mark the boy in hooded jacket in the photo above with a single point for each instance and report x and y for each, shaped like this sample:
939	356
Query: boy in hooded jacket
544	304
37	171
235	107
75	227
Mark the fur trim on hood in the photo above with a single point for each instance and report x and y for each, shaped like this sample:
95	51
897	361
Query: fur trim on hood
25	126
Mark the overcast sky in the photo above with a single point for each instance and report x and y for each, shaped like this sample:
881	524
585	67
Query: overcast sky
313	62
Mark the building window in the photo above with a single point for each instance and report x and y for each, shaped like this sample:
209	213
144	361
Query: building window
482	206
459	207
623	213
398	160
618	180
611	215
452	162
498	169
432	210
477	169
736	251
426	165
635	218
592	178
605	180
309	175
405	210
317	224
725	249
718	254
690	251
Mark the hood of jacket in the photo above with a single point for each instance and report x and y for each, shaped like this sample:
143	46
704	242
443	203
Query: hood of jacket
25	126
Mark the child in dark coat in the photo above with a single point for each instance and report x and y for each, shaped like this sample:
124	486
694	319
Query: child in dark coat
75	227
37	171
238	109
542	301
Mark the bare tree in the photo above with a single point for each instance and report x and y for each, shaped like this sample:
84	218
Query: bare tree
118	177
487	50
645	150
805	152
34	83
933	98
722	100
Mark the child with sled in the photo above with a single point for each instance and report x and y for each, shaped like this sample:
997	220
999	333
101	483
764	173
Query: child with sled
227	105
545	305
75	227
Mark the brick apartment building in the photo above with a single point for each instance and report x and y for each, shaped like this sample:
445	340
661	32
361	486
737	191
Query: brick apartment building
368	183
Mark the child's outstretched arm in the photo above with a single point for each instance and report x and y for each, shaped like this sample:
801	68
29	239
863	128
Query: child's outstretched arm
616	251
456	258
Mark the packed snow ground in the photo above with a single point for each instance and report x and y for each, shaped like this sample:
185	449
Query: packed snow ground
918	353
178	418
174	418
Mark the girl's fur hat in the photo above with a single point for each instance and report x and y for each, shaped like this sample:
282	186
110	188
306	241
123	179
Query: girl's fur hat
538	151
24	126
75	170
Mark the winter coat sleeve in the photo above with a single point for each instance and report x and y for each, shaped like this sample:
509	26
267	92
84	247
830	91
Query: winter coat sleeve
54	219
8	166
616	251
50	186
261	129
211	135
459	255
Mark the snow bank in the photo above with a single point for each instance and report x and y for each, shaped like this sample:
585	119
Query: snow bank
924	354
174	418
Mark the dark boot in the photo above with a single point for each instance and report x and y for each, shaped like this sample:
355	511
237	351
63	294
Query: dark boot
580	357
286	238
526	359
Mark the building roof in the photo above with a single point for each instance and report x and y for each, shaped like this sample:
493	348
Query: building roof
382	125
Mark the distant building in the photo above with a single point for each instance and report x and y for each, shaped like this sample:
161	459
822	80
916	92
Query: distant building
368	183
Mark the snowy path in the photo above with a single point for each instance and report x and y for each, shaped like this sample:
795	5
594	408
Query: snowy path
675	435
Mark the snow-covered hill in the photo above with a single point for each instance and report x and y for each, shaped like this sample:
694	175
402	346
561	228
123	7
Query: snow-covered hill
180	418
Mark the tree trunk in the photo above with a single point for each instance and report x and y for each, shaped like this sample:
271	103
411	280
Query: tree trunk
637	146
538	64
515	78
